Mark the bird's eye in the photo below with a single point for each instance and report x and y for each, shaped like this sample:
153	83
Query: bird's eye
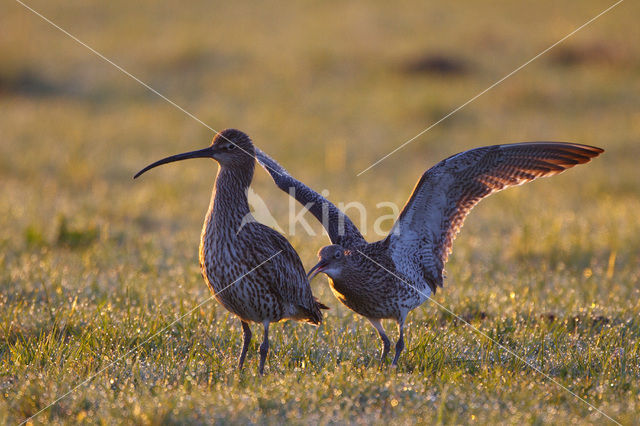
231	147
337	255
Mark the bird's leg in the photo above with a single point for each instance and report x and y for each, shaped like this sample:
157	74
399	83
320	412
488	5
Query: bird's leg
385	340
400	343
264	348
245	343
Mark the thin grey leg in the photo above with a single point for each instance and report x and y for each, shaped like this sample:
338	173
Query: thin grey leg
264	348
385	340
399	344
245	343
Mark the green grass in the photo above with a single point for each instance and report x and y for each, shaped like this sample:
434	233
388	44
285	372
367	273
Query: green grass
93	264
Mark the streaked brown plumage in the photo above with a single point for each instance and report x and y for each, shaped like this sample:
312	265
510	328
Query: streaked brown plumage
388	278
251	269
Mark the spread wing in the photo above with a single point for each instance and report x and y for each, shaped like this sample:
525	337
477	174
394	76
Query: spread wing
338	225
421	239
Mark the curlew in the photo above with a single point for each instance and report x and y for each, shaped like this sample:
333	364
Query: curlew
251	269
389	278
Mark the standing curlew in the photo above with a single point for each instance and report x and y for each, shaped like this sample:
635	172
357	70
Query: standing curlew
389	278
269	283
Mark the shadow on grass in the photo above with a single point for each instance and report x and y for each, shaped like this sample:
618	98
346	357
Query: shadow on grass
437	64
31	83
594	53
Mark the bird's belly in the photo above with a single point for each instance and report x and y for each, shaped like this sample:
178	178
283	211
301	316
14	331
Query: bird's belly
367	304
238	291
387	299
247	299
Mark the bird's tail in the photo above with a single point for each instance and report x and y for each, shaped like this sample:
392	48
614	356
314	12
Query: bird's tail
313	315
320	305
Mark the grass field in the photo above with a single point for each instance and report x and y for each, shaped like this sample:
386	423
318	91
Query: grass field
92	263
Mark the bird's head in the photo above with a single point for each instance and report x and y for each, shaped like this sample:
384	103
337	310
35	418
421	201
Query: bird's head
332	261
231	148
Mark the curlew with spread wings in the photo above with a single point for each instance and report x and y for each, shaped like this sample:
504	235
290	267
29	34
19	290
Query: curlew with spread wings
386	279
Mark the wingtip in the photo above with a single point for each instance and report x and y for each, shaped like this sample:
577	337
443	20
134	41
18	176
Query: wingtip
569	154
593	151
584	153
322	306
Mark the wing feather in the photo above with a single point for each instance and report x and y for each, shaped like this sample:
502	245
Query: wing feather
338	225
422	237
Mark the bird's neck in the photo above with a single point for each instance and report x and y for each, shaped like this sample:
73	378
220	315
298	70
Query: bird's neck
229	204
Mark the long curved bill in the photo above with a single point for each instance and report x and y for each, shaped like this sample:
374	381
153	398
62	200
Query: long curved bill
201	153
316	269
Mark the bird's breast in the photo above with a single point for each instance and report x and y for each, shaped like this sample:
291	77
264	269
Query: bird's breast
349	295
338	291
217	255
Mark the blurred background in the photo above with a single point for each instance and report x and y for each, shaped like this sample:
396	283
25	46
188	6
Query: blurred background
327	88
